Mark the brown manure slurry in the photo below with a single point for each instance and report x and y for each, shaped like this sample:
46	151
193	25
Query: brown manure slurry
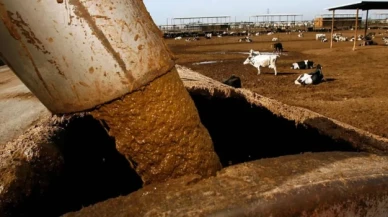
159	131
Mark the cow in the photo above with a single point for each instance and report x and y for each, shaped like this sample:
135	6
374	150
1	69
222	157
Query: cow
262	60
245	39
306	64
367	42
320	36
178	38
275	39
315	77
233	81
385	39
208	36
277	48
300	35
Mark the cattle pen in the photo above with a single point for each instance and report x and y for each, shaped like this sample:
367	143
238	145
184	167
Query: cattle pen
362	5
189	26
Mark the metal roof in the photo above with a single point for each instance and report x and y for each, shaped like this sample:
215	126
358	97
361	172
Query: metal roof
362	5
183	18
274	15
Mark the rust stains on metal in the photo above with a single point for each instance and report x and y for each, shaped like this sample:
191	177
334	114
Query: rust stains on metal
91	70
27	32
136	37
51	40
53	62
9	22
101	17
5	17
70	20
73	88
36	69
81	11
64	60
83	84
140	47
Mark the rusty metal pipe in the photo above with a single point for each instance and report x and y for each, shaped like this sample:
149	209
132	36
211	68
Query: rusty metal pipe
108	57
77	54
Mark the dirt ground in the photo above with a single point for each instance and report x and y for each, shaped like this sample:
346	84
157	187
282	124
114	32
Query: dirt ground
355	91
19	108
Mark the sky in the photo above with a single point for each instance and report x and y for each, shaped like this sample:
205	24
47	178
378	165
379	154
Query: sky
242	10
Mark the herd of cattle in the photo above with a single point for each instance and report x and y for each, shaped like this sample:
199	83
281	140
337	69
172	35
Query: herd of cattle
337	37
258	60
365	40
244	39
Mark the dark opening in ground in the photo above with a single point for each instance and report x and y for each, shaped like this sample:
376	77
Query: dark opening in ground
94	170
243	132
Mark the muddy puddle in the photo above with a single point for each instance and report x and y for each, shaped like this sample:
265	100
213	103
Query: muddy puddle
242	53
207	62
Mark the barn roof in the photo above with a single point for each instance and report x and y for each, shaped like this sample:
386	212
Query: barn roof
362	5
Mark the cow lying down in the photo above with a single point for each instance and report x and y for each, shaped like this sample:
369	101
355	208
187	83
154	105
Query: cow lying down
233	81
262	60
305	64
315	77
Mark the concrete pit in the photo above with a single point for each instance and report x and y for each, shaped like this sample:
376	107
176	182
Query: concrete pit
90	169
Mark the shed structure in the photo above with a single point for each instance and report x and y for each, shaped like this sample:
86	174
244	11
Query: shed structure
361	5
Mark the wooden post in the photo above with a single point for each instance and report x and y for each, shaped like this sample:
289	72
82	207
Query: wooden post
332	30
366	23
355	32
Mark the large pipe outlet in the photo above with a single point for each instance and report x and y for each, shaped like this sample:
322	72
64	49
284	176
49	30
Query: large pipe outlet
78	54
108	57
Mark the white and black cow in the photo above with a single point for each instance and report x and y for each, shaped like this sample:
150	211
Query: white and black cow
305	64
262	60
233	81
245	39
320	36
315	77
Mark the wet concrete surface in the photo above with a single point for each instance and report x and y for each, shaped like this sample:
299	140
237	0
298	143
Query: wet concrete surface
19	108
